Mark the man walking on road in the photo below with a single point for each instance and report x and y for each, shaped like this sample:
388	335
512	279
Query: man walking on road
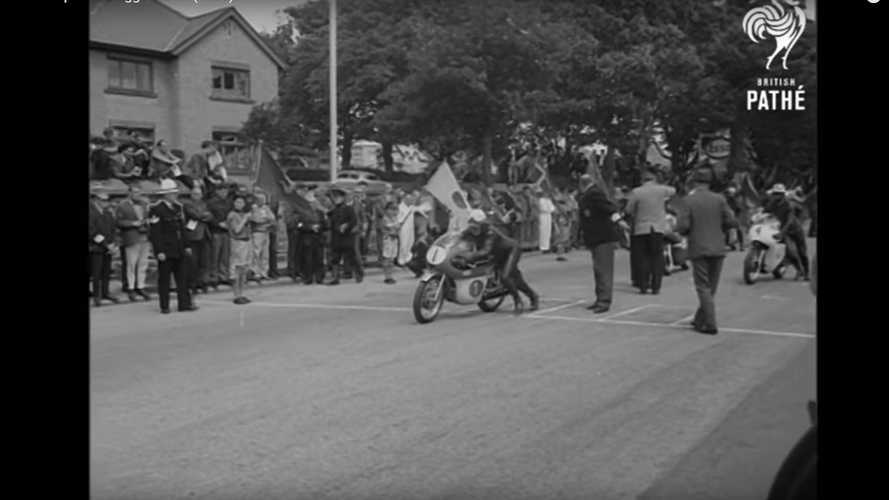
598	222
704	218
647	209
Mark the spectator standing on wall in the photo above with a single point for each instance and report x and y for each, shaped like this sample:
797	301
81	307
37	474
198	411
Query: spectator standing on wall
102	160
163	163
132	221
198	166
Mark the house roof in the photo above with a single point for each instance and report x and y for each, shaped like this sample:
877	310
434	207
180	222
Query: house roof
152	27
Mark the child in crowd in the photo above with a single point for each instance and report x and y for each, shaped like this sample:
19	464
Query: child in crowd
240	250
262	222
389	233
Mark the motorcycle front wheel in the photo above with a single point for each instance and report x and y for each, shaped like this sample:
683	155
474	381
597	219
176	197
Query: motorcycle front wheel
428	299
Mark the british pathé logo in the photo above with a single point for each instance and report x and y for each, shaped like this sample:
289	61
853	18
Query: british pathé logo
783	20
777	94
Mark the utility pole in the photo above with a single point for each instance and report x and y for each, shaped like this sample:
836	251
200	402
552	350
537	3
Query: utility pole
333	94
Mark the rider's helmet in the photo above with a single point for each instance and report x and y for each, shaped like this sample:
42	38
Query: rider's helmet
477	219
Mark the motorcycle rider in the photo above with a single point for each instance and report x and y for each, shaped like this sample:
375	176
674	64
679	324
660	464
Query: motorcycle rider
778	205
492	241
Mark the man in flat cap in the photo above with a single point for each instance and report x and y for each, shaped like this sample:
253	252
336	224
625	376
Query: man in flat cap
704	218
599	217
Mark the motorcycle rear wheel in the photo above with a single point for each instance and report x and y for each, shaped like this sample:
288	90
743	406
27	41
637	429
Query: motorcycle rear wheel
424	310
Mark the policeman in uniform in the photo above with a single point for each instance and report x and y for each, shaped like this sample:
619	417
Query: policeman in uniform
167	234
342	237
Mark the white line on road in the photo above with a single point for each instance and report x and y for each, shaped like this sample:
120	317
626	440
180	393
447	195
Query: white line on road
317	306
628	311
683	320
668	325
559	308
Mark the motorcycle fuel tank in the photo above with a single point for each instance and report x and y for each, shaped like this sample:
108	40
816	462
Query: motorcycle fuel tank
469	290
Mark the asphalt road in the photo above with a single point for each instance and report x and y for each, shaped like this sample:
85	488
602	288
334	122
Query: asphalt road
336	393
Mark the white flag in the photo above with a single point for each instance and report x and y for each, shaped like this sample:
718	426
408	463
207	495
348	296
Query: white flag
443	185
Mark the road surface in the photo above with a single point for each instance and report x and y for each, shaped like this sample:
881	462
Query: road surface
336	393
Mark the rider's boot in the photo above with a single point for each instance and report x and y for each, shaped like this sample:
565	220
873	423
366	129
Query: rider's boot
336	276
535	302
519	306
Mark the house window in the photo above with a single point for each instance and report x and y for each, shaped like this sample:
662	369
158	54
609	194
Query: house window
128	75
145	134
234	150
231	83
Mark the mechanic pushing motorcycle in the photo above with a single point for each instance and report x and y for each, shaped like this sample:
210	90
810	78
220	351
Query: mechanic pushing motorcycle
778	205
491	241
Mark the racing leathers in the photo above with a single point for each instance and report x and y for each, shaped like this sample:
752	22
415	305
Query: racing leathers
791	227
493	241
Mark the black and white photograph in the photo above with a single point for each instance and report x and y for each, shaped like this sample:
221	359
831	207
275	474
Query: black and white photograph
453	249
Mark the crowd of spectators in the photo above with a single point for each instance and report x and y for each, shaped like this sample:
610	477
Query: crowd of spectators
232	231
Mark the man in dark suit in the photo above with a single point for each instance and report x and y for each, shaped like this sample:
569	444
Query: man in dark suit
167	235
598	221
102	228
220	205
704	218
199	240
343	222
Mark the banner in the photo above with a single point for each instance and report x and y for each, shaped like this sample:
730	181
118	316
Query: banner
444	186
269	177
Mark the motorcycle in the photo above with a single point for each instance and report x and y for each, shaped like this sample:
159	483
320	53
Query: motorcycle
452	279
767	250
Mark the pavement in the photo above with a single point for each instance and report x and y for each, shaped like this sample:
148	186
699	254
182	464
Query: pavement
337	393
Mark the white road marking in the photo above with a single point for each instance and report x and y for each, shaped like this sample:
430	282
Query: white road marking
563	306
669	325
537	315
683	320
318	306
628	311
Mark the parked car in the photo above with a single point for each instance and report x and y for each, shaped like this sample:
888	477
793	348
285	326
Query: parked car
348	179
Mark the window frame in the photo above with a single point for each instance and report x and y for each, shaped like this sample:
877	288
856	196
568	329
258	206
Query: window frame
233	95
120	60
